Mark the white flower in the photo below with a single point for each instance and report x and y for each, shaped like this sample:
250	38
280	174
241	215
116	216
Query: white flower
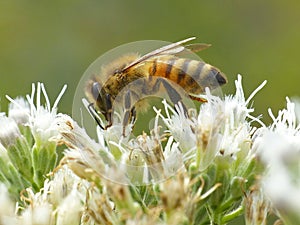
40	117
60	201
19	110
39	210
256	207
64	182
70	209
150	160
230	117
84	156
41	214
179	125
100	208
279	148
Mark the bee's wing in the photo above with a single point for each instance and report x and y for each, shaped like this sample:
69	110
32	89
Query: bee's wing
197	47
171	49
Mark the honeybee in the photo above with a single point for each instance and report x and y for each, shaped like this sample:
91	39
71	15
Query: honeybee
157	71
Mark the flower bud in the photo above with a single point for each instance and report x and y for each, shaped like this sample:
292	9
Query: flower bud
9	131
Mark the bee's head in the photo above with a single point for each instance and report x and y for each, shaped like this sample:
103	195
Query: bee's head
102	100
213	78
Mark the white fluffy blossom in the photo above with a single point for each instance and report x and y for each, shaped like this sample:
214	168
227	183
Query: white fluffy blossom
222	126
279	148
40	117
19	110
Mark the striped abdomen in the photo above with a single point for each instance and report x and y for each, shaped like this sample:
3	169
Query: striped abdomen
191	75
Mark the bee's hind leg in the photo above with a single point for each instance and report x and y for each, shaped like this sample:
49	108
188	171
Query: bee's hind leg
175	97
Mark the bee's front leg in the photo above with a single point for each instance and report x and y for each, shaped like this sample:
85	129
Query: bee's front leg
95	115
109	111
130	112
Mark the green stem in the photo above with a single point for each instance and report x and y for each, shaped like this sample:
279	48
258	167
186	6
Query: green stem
233	214
198	157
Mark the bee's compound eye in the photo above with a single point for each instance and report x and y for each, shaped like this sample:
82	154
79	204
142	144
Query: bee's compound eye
96	90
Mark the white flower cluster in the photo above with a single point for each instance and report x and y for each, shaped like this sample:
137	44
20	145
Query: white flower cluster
222	127
205	168
60	201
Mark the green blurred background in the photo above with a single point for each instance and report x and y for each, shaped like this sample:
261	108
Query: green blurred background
55	41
